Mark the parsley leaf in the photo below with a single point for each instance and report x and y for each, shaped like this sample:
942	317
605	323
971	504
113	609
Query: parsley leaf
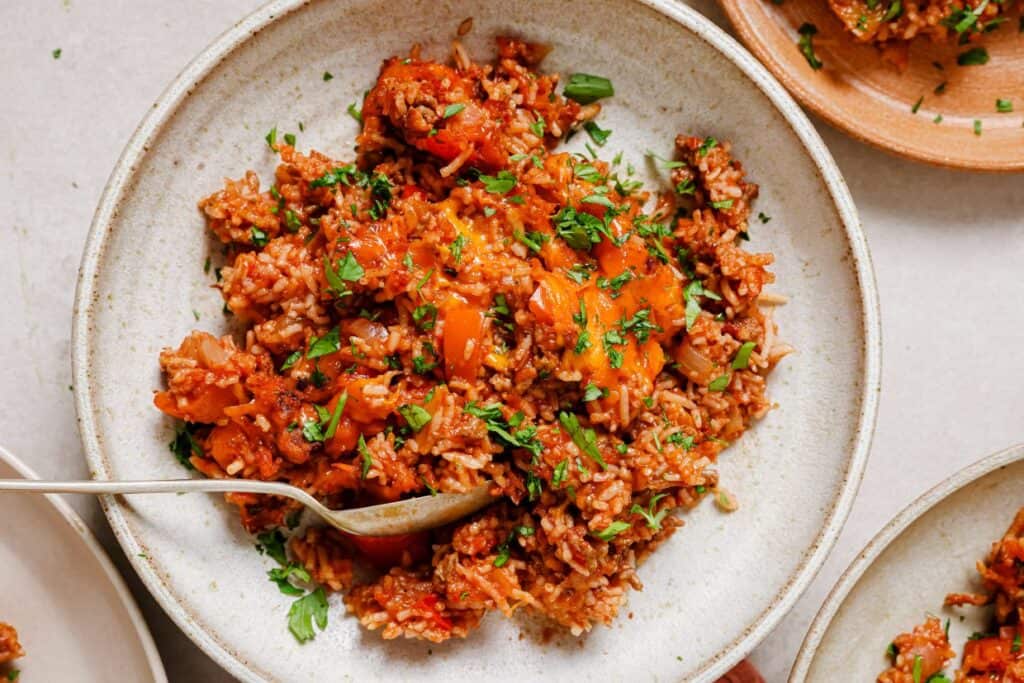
281	576
499	184
653	518
585	88
612	530
976	56
325	345
272	543
306	610
807	32
742	358
415	415
598	134
584	438
367	459
184	445
452	109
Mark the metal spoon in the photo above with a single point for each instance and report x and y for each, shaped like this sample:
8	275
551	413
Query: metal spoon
388	519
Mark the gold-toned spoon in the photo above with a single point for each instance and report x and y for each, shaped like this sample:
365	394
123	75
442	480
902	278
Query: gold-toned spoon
388	519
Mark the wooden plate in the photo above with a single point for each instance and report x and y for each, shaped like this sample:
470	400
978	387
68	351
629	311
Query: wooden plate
862	94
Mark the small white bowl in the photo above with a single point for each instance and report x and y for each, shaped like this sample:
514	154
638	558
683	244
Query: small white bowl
63	595
721	584
928	550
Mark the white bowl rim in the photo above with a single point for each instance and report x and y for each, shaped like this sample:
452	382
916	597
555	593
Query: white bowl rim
80	529
688	18
877	545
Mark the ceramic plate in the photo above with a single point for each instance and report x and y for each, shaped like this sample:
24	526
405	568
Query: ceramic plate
927	551
720	585
857	91
64	597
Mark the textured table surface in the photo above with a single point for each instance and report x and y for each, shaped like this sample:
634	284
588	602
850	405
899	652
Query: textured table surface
948	249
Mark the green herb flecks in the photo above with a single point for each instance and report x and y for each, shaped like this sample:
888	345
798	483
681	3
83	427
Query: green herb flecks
586	88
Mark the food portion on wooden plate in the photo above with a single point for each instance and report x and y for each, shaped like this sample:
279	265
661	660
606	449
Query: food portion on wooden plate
936	81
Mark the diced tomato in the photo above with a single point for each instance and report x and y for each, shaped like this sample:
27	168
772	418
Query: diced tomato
384	552
986	655
429	602
463	341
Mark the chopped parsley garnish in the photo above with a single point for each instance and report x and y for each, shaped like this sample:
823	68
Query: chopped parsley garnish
719	383
415	415
328	76
559	473
742	358
585	88
289	139
325	345
533	239
807	32
355	113
304	611
663	162
452	109
508	432
940	88
592	392
640	325
917	105
610	339
364	454
690	294
918	663
259	238
291	360
343	175
579	229
534	485
504	552
652	518
1004	106
976	56
616	283
612	530
584	438
1015	646
184	445
425	316
499	184
977	126
892	651
723	204
344	270
763	217
579	273
598	134
599	199
456	247
282	575
271	138
339	408
709	144
963	20
894	11
272	543
538	126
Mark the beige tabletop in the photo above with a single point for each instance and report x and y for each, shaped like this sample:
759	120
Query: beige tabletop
948	249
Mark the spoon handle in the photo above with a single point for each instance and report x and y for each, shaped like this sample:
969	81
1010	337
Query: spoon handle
154	486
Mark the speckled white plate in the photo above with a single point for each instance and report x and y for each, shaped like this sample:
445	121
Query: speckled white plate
718	587
927	551
64	597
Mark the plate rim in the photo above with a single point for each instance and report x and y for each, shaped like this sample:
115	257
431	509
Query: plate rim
688	19
878	544
82	531
836	116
